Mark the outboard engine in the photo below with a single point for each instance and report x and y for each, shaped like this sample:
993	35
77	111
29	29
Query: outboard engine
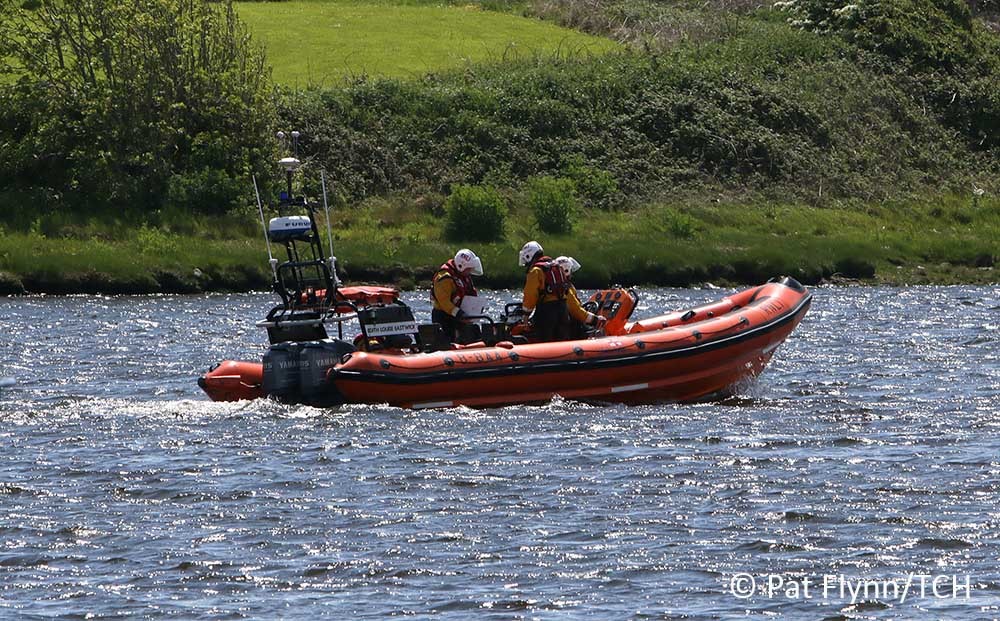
281	371
316	358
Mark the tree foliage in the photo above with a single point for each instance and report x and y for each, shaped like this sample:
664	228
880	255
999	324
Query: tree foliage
127	103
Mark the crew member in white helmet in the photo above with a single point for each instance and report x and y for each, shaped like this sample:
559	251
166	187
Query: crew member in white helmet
545	288
578	318
452	282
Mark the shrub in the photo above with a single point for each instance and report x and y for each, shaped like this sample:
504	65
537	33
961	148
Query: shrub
597	187
475	213
554	203
676	223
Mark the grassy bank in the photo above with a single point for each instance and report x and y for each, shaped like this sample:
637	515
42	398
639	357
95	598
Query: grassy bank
950	240
313	42
690	242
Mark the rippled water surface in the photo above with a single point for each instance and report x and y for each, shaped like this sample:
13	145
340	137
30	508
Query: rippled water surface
868	450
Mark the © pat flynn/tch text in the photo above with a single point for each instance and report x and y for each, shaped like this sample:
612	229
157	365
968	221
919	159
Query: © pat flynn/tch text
853	589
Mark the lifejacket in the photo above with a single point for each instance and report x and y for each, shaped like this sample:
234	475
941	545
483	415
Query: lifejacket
463	282
556	282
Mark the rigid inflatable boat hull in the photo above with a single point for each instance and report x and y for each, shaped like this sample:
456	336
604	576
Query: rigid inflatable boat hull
234	380
678	363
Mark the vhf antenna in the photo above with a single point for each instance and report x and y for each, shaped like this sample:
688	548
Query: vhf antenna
290	164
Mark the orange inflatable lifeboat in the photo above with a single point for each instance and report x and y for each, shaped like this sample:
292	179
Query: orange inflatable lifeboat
680	356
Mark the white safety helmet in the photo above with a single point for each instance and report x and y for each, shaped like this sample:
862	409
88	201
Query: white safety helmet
528	252
465	259
568	265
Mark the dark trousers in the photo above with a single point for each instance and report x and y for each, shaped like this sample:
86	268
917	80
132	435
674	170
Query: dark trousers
549	319
447	322
571	330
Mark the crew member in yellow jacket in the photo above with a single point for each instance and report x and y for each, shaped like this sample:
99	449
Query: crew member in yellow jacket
546	289
452	282
579	317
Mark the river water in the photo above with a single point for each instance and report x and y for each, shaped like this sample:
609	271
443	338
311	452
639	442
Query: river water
866	456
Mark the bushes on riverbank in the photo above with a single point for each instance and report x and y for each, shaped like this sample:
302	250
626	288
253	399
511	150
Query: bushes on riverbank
951	60
553	202
770	110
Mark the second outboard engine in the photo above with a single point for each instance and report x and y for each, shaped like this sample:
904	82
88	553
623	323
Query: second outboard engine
315	360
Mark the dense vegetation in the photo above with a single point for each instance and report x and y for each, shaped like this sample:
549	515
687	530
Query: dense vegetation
849	132
772	108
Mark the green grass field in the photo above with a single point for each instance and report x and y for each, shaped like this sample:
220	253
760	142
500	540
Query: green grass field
320	42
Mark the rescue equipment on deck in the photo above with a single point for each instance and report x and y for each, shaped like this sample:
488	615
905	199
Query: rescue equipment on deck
289	228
